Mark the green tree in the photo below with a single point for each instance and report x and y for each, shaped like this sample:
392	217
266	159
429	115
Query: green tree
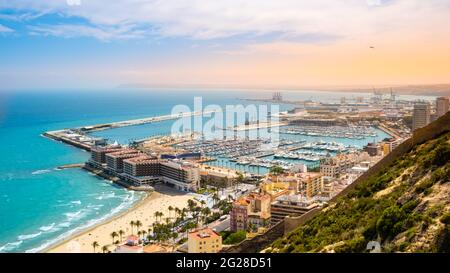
95	245
236	238
113	236
138	224
276	170
121	233
104	249
132	225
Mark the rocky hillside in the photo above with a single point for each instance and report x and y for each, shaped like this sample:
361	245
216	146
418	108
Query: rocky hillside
405	207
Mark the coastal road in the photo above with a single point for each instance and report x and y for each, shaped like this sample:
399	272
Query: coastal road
219	226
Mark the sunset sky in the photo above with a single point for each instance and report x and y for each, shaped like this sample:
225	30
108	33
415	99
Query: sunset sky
104	44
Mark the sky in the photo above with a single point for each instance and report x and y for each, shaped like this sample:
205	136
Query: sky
261	43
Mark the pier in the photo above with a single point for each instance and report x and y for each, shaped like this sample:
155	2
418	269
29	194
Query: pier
78	137
71	166
141	121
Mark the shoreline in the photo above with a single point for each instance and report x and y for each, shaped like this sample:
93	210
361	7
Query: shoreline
106	221
100	232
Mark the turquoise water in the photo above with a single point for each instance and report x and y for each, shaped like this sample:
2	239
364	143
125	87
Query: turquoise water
40	205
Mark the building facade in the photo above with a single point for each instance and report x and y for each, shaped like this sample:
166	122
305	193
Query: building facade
421	115
204	240
442	106
290	205
181	175
252	209
114	161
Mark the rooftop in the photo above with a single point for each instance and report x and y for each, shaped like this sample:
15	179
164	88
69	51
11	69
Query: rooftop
141	159
203	233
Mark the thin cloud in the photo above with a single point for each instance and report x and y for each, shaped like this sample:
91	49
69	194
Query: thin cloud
100	33
4	29
218	19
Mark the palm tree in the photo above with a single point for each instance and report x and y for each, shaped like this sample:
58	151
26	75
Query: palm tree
177	212
138	224
215	198
132	225
143	234
230	197
170	210
113	236
196	213
95	245
121	233
104	249
239	180
156	214
189	226
205	212
139	233
191	204
183	213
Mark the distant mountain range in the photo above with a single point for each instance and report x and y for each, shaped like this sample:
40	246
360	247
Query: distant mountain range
431	90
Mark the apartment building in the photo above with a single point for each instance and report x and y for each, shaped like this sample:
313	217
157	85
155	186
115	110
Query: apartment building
290	205
442	106
204	240
251	209
421	115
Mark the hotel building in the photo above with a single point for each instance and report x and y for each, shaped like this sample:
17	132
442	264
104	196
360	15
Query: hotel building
204	240
142	166
182	175
141	170
98	154
114	161
138	168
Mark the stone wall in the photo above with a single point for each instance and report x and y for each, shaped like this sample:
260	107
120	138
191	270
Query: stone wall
259	242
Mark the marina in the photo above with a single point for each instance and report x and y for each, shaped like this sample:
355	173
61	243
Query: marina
350	132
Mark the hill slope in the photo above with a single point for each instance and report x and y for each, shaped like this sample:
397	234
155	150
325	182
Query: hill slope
405	207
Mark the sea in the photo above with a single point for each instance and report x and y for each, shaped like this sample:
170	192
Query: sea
41	205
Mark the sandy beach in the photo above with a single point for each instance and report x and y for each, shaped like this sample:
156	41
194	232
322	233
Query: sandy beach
144	211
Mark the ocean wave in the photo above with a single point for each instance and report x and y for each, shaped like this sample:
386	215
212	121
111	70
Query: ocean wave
77	202
106	196
10	246
75	215
64	224
28	236
48	228
95	207
122	207
40	172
